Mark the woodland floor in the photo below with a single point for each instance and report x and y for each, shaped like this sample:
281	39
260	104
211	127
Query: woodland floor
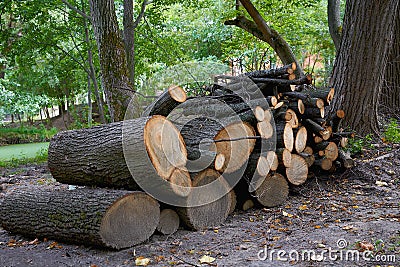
361	204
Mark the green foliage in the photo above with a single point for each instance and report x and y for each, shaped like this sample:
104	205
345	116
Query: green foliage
357	144
25	134
392	132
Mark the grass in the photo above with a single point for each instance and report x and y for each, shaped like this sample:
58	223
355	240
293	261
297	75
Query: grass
392	132
27	134
15	155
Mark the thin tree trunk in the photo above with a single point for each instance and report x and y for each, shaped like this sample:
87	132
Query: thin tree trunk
390	96
115	76
361	62
334	22
89	102
92	71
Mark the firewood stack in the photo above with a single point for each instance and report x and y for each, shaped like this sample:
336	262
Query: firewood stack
241	144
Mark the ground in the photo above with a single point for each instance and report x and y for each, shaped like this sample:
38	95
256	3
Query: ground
336	214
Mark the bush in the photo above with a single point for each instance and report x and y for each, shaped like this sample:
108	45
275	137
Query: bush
392	132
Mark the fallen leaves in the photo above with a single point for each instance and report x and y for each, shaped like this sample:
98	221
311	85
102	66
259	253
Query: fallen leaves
206	259
54	245
142	261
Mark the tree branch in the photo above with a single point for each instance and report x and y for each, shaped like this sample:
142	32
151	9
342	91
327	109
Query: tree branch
334	22
83	14
141	13
260	29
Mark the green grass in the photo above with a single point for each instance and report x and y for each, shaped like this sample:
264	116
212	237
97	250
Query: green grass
392	132
14	155
27	134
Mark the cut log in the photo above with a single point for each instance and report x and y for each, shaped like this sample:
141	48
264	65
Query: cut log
310	158
209	203
273	191
308	150
265	129
232	197
324	163
301	139
169	222
236	152
259	113
284	156
312	113
166	102
330	151
317	129
107	218
325	94
346	159
284	136
129	154
314	102
272	73
297	172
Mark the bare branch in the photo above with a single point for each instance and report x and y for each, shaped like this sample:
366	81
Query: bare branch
83	14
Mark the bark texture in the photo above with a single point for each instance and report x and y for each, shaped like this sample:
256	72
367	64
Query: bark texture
115	75
361	61
99	217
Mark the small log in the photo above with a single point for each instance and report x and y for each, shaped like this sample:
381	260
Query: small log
284	156
166	102
272	101
308	150
248	204
209	205
272	73
297	106
233	199
265	129
310	158
297	172
106	218
346	159
325	94
273	190
312	113
317	129
324	163
284	136
337	120
314	102
300	142
169	222
296	95
259	113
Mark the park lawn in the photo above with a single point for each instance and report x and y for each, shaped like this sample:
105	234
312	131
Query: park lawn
22	151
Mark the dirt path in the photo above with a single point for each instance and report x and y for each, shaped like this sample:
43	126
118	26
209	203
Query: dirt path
360	205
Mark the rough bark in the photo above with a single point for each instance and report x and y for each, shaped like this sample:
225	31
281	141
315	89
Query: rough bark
390	96
334	22
169	222
115	75
361	61
108	218
121	155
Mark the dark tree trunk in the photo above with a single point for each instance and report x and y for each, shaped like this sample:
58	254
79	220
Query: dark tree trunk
361	61
115	75
334	22
390	96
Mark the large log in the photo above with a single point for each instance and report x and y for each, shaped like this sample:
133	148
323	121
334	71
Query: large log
99	217
209	203
130	154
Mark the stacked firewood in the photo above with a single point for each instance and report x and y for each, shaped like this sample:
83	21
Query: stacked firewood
249	137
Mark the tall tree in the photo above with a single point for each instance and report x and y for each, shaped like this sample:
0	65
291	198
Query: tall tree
390	96
361	61
112	54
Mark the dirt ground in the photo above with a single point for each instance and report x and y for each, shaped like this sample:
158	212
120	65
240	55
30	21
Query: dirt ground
336	216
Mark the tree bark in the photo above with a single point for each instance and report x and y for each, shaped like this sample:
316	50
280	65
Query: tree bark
334	22
390	96
122	155
99	217
361	62
115	75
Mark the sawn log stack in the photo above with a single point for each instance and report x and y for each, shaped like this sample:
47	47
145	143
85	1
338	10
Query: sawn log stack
247	139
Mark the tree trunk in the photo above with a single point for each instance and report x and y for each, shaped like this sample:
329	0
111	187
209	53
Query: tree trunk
361	61
115	75
129	154
334	22
390	96
99	217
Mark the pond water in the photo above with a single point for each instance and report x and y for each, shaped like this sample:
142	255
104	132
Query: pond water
21	151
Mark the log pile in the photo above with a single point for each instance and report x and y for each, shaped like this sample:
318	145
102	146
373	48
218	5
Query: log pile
243	143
